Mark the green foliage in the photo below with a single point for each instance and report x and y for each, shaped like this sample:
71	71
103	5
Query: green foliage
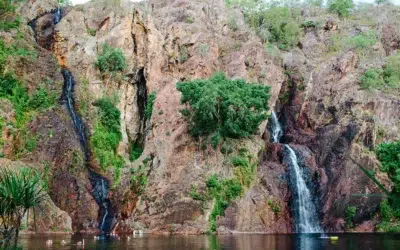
275	206
362	41
392	71
389	156
224	190
315	3
341	7
135	152
149	105
42	99
190	19
138	179
111	59
276	25
107	136
388	78
232	108
390	218
8	19
20	190
204	49
350	212
372	79
92	32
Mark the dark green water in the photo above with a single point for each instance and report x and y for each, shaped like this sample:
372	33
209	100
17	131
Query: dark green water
203	242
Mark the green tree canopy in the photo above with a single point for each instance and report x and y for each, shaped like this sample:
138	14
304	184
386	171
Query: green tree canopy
232	108
341	7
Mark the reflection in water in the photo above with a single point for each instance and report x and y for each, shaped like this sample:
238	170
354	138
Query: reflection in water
220	242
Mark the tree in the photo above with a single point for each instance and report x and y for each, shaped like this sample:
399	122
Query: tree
111	59
20	190
231	108
341	7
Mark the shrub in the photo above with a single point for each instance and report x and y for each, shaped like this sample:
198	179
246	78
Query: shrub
149	105
392	71
233	108
138	179
362	41
275	206
276	25
92	32
341	7
135	152
111	59
350	212
389	156
372	79
42	99
107	135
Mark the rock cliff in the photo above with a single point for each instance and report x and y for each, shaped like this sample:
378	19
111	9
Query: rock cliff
330	121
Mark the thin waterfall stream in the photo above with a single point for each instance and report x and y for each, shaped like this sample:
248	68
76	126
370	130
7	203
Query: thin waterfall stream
306	217
99	184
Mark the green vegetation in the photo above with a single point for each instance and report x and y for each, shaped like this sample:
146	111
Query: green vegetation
149	105
135	152
232	24
229	108
92	32
388	78
276	25
20	190
42	99
275	206
350	212
107	136
138	179
390	218
341	7
8	18
372	79
389	156
111	59
224	190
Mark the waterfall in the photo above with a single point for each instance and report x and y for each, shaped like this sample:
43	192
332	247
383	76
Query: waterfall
305	212
57	16
99	184
276	128
303	206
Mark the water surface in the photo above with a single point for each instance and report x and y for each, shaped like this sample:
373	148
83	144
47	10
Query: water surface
203	242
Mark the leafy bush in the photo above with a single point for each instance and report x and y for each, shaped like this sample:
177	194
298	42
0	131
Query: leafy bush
275	206
149	105
42	99
232	108
138	179
111	59
107	135
392	71
135	152
362	41
276	25
372	79
232	23
341	7
350	212
389	156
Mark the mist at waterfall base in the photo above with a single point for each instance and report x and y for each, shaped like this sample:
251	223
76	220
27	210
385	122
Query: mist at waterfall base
100	185
306	218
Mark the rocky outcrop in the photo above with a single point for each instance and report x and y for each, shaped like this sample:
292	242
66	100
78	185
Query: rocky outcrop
328	120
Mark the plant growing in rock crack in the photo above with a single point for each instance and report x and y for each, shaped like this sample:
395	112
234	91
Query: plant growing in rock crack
223	108
110	59
222	191
350	212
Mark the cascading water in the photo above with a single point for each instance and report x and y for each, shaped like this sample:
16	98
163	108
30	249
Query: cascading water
304	208
99	184
305	212
276	128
